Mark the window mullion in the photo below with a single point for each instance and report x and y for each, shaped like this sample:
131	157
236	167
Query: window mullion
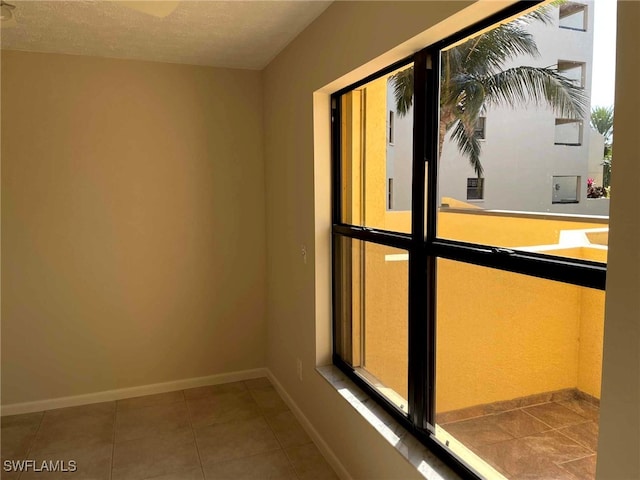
418	381
429	268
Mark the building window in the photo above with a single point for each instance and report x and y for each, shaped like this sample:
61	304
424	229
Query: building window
479	131
574	71
568	131
566	189
405	283
573	16
475	188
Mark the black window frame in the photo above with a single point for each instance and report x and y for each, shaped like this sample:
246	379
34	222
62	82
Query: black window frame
425	247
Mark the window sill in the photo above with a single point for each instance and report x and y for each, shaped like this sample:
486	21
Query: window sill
425	462
574	29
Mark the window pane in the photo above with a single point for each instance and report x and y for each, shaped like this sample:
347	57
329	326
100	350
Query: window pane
377	152
573	16
518	371
480	128
373	312
547	150
475	188
573	71
565	189
568	132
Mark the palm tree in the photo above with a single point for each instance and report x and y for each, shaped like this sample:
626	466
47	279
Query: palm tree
473	78
602	122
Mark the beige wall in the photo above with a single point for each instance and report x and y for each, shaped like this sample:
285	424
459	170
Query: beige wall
133	226
619	441
107	283
349	41
341	44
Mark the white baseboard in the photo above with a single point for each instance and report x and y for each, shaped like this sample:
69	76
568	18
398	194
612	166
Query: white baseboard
122	393
326	451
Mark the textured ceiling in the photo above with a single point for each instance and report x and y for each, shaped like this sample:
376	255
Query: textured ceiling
235	34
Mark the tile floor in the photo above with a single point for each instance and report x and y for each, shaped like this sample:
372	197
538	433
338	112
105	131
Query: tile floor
236	431
555	440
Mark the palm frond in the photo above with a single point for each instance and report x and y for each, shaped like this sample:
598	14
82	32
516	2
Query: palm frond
602	121
467	92
536	85
468	144
541	14
403	90
473	78
488	52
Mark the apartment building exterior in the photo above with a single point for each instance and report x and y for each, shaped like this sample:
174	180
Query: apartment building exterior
533	160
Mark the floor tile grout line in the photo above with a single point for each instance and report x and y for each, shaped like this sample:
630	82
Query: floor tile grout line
295	470
233	459
193	433
293	467
491	414
579	413
35	436
573	475
153	405
592	454
464	419
113	441
243	457
557	429
498	412
551	427
264	416
573	410
574	440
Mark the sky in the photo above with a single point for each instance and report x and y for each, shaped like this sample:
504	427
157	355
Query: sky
604	53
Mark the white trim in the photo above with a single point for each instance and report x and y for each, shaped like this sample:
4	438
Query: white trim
424	460
122	393
326	451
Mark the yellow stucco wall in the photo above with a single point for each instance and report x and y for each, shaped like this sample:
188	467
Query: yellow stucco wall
386	317
506	230
591	341
500	335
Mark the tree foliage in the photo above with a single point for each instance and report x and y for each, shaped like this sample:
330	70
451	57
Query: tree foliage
602	122
473	78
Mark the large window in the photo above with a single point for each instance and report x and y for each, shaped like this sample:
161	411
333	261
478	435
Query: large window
477	324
